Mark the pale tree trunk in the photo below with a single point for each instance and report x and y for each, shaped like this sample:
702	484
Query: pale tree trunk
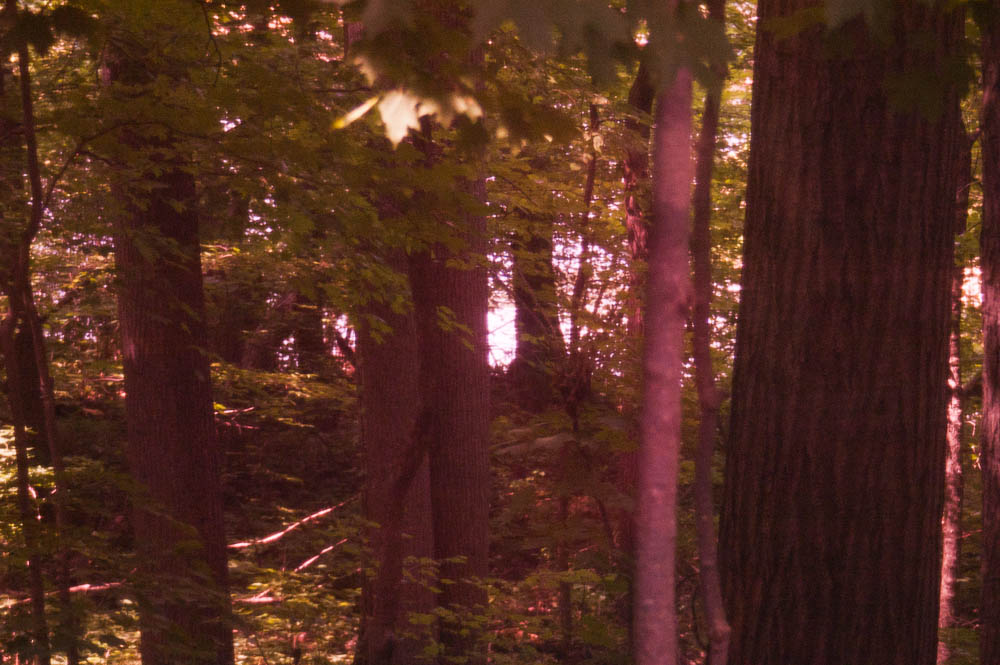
990	257
708	397
667	293
951	522
830	536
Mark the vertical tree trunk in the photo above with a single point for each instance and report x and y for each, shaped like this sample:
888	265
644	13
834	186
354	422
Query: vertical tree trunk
636	176
397	487
173	452
951	522
40	649
636	181
990	257
708	398
539	350
667	293
831	519
19	381
453	424
39	362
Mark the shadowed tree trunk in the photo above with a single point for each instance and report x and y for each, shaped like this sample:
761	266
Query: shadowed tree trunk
172	448
831	521
40	649
453	424
397	487
708	397
68	630
990	257
539	350
636	183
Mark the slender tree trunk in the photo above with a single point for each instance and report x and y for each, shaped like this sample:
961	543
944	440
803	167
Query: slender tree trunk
990	257
173	452
708	397
636	183
539	350
831	519
397	487
951	523
636	178
19	386
68	632
40	650
667	293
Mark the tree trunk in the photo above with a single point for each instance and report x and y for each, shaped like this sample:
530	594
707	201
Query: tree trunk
708	397
990	257
397	488
172	448
453	425
636	176
951	523
667	292
636	181
68	632
831	519
539	350
40	649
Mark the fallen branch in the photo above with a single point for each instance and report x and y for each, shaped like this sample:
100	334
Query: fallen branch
277	535
311	560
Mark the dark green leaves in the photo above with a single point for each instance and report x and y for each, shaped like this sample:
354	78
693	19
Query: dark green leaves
41	30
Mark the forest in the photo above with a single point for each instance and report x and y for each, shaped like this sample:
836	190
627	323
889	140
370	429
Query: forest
489	331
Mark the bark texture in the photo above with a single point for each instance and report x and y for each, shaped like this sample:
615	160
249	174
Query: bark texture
453	424
668	290
397	487
990	257
831	532
173	452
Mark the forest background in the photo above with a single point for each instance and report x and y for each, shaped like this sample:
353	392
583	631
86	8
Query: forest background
251	414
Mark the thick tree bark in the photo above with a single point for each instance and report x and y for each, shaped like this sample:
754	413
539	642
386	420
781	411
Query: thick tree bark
397	488
708	397
173	452
990	257
831	532
668	290
453	425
